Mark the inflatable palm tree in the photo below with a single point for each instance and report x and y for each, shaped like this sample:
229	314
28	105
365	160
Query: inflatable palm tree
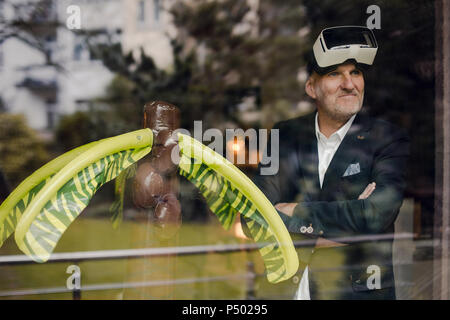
44	205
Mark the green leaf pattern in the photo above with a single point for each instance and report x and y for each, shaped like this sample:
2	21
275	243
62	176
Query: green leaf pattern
10	222
70	200
225	201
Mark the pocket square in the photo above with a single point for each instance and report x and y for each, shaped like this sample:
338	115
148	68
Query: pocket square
352	169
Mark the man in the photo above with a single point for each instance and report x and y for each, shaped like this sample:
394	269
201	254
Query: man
341	176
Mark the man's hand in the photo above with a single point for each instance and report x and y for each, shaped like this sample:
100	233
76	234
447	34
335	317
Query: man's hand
368	191
286	208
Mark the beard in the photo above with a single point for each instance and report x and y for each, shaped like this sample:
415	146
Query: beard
340	112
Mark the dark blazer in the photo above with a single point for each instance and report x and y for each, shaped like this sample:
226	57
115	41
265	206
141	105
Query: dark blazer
378	152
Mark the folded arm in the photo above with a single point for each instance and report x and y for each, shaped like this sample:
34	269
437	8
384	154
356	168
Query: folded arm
288	209
366	215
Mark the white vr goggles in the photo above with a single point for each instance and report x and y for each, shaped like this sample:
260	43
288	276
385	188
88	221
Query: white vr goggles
338	44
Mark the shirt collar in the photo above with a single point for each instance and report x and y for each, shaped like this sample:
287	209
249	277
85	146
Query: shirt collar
340	133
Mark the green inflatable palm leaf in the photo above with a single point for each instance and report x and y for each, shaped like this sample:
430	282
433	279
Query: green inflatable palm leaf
14	206
228	191
116	208
69	191
47	202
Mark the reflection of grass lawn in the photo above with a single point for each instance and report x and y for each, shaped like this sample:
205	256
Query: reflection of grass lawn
88	234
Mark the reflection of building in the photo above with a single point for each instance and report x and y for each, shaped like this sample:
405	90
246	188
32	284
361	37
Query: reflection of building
40	91
147	25
29	86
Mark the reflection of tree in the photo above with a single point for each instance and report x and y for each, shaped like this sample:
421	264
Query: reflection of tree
225	53
83	127
4	187
243	47
33	22
21	151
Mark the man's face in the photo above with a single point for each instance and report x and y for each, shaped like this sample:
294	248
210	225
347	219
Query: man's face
339	94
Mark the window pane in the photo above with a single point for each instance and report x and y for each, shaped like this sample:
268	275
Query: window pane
141	11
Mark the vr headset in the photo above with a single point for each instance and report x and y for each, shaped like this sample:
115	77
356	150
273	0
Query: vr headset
336	45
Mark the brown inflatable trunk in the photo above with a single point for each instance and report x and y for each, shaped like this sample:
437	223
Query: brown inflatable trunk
155	194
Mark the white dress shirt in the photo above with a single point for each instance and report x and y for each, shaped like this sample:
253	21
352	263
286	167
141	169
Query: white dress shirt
326	148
